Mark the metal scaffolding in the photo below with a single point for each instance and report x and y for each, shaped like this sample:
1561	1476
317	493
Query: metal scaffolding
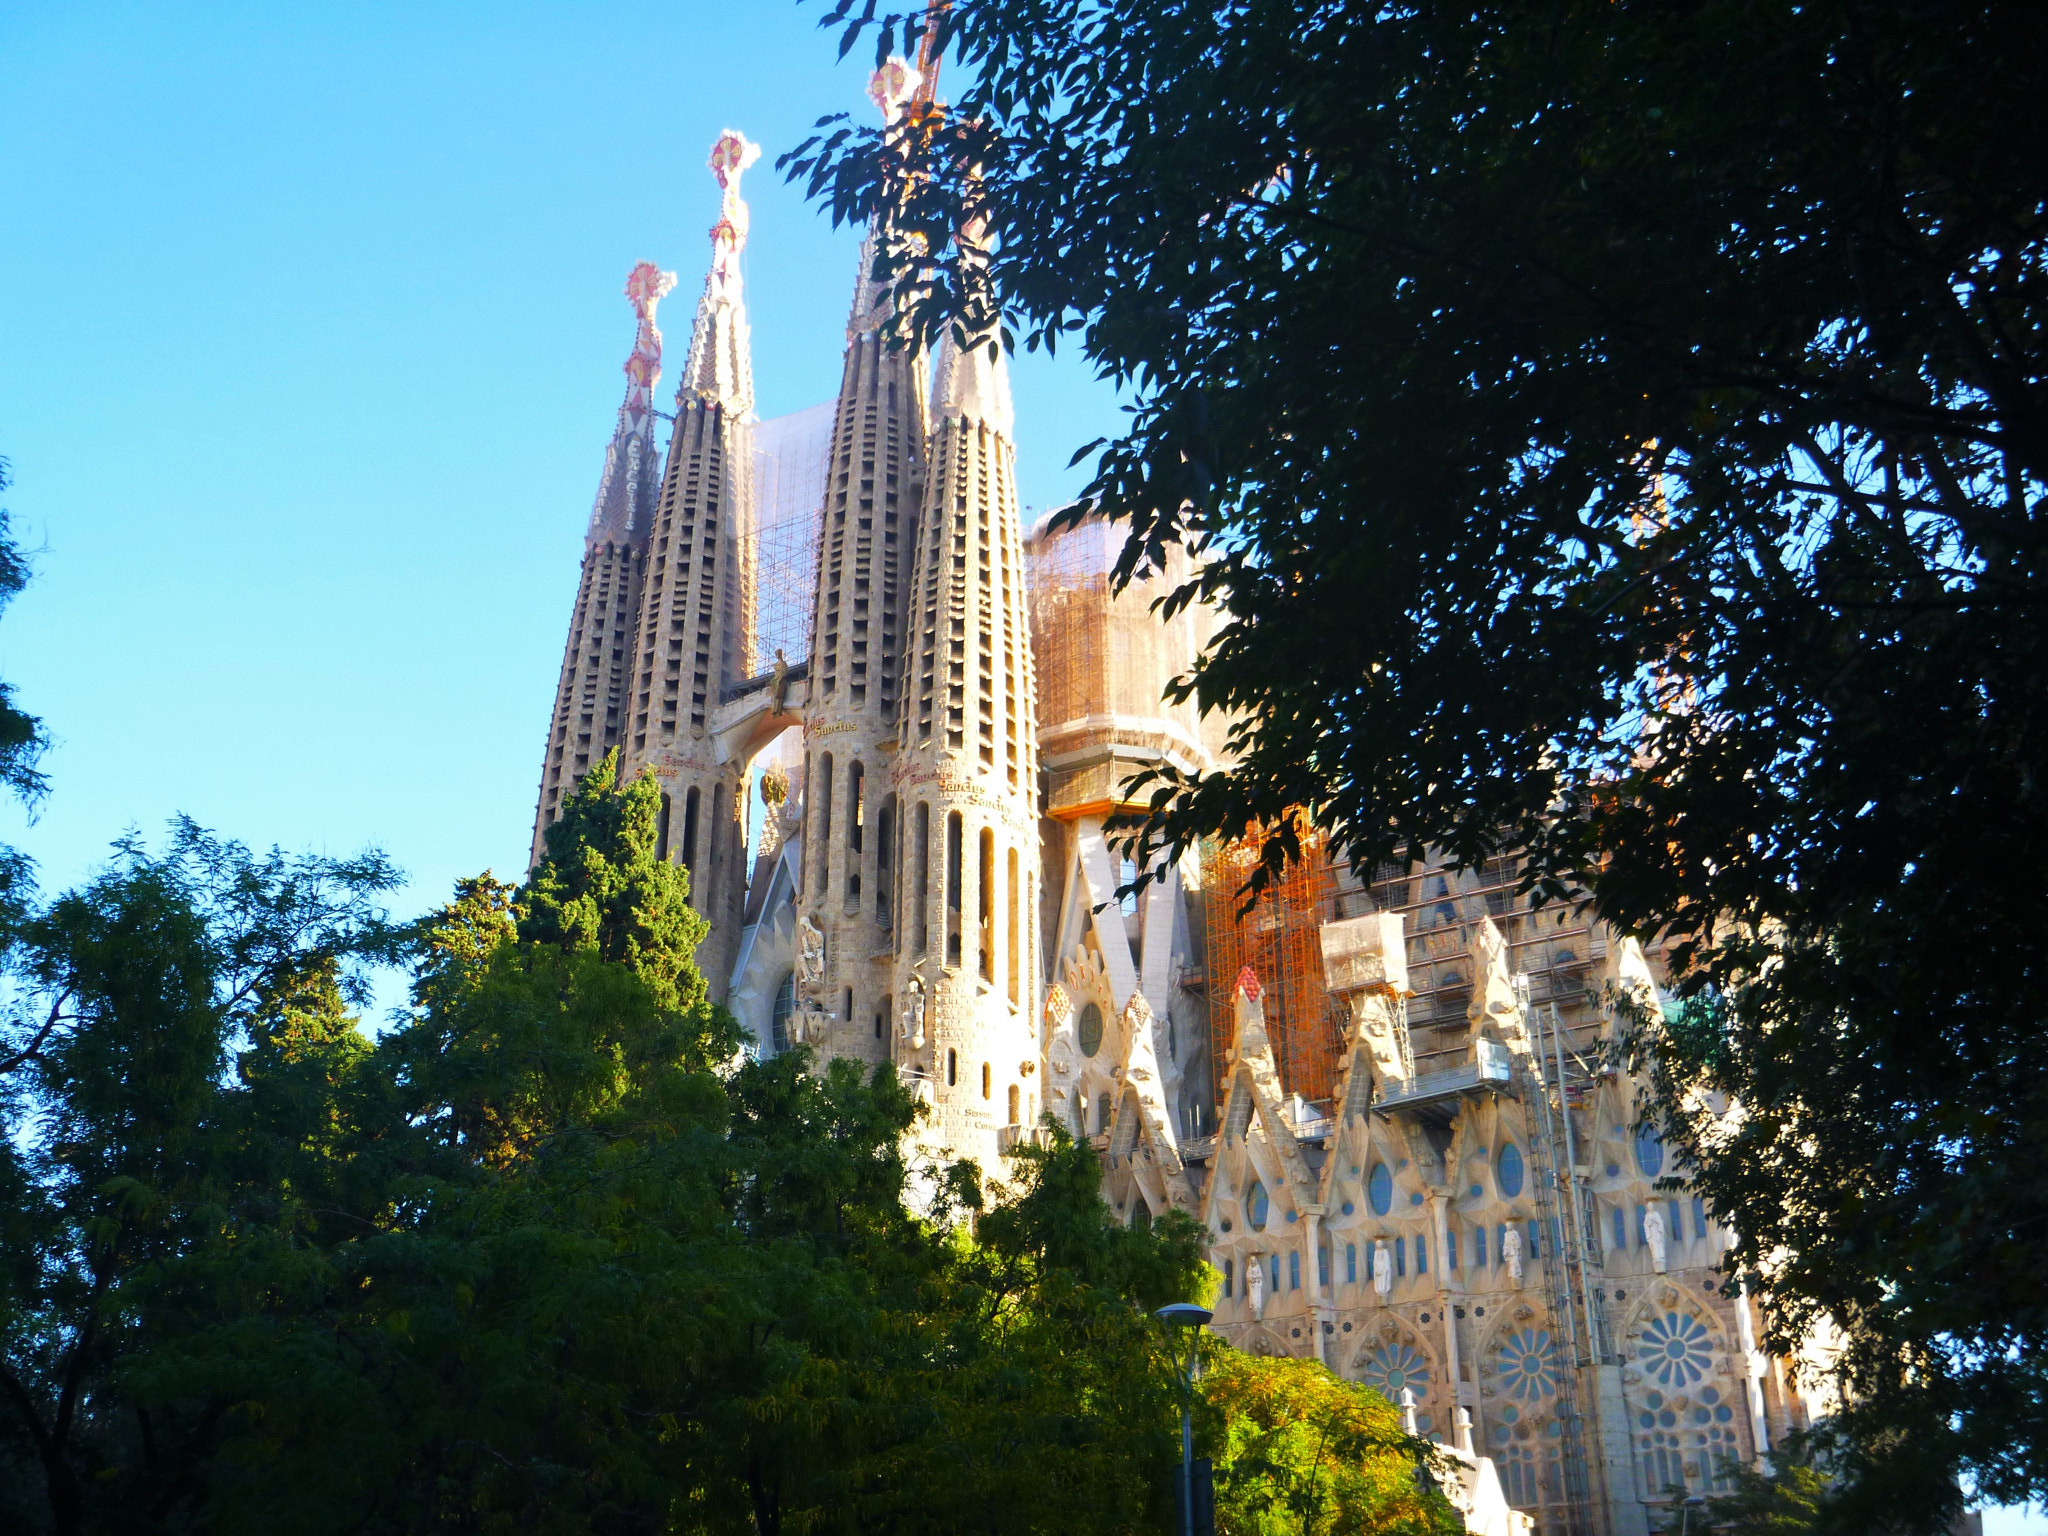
790	455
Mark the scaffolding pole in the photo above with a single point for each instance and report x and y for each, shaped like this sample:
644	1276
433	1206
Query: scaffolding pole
1558	1249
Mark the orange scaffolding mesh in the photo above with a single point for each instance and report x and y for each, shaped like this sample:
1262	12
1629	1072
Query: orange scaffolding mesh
1280	939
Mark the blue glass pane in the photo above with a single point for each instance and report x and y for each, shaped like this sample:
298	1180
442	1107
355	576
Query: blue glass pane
1508	1170
1258	1207
1649	1152
1379	1190
778	1019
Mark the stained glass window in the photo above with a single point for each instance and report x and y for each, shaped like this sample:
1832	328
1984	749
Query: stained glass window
1257	1206
1089	1030
1379	1190
778	1018
1393	1368
1649	1152
1508	1170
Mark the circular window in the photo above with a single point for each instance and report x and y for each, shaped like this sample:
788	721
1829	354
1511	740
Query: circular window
1090	1030
1379	1190
778	1018
1507	1171
1394	1368
1257	1206
1649	1152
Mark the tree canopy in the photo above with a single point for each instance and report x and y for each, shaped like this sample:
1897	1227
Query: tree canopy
548	1253
1613	434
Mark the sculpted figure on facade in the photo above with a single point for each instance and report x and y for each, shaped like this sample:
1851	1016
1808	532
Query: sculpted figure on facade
1255	1283
810	955
810	1023
1657	1238
912	1021
1383	1269
1511	1253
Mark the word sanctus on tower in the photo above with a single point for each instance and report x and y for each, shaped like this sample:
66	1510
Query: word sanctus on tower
889	721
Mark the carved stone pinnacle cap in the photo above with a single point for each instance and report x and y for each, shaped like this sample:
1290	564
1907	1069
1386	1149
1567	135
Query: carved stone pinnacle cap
731	156
891	87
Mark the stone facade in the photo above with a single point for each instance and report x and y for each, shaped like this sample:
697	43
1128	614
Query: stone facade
1399	1119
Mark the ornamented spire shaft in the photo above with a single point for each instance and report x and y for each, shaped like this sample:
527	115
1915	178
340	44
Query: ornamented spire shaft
696	620
591	695
721	367
625	496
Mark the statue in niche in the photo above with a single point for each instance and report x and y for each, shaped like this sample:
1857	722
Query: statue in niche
807	1026
1382	1268
810	959
912	1024
1658	1239
1511	1253
1255	1283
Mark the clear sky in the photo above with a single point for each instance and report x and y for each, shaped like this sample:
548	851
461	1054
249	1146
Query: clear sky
310	346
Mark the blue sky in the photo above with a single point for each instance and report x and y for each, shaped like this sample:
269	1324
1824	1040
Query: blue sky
310	338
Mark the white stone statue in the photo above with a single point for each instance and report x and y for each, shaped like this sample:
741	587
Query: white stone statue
810	958
1658	1239
810	1022
1408	1411
1255	1283
1511	1253
912	1025
1383	1268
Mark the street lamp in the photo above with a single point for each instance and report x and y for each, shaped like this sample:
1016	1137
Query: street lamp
1685	1513
1185	1317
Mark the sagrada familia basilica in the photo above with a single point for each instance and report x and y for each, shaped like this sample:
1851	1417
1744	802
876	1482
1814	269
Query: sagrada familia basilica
889	720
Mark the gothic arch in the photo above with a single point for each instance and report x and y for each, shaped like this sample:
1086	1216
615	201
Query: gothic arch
1264	1343
1521	1381
1682	1383
1394	1356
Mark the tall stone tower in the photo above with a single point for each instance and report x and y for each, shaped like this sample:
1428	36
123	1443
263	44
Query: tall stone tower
966	776
590	701
852	832
696	618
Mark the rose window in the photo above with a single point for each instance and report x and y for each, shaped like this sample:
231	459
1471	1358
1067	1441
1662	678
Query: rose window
1394	1367
1526	1368
1676	1349
1685	1442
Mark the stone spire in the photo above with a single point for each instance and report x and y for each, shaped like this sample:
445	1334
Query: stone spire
632	470
590	698
853	834
966	769
721	365
696	620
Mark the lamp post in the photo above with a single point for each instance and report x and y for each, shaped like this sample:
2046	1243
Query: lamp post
1184	1317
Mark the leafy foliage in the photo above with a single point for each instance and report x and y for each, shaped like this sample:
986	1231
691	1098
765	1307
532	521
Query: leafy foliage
22	738
1613	435
1303	1453
548	1254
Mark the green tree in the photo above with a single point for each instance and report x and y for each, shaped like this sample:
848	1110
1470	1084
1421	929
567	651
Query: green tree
1613	434
118	1154
600	886
1302	1453
22	742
